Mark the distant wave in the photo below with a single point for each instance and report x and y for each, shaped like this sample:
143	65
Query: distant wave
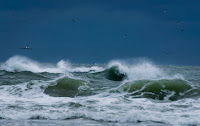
21	63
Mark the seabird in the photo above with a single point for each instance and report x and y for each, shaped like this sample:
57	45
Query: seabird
178	21
26	47
165	11
74	20
165	52
124	36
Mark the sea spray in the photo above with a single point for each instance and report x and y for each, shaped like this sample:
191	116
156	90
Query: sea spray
21	63
138	71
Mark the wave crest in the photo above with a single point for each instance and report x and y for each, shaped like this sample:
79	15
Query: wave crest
140	71
21	63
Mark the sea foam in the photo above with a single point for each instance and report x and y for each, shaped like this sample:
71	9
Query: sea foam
21	63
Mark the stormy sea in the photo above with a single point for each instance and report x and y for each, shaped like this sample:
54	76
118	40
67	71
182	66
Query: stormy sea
116	93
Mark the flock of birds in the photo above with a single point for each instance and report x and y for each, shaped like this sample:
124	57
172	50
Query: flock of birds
123	36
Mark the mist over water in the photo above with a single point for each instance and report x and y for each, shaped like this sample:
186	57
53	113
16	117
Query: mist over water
117	92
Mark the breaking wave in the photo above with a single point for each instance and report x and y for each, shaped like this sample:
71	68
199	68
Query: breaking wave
114	74
21	63
138	71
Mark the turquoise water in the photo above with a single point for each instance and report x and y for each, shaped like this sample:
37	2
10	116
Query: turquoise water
116	93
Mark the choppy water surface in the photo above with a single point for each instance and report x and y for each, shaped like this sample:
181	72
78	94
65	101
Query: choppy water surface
117	93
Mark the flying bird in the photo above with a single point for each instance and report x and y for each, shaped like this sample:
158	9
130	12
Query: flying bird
26	47
179	21
166	53
124	36
74	20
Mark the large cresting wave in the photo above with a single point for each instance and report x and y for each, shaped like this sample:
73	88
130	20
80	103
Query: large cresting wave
143	70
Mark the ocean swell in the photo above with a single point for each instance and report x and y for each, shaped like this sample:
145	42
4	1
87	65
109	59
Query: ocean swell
67	87
160	89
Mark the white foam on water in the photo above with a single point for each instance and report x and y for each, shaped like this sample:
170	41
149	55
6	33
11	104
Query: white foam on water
21	63
92	69
107	108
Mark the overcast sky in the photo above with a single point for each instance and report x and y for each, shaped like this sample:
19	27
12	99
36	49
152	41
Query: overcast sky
105	30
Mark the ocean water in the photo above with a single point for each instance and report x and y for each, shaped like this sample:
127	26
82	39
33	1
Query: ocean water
115	94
